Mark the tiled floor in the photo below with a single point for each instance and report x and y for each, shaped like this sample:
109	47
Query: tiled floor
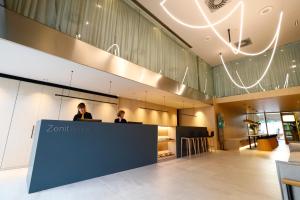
244	175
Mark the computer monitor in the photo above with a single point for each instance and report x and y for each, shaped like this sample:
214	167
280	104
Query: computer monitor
135	122
91	120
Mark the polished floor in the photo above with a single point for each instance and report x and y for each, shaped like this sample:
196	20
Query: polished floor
247	174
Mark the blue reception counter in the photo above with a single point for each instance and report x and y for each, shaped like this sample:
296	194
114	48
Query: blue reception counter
65	152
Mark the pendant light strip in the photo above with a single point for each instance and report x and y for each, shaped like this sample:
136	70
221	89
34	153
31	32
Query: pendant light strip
162	4
241	81
212	26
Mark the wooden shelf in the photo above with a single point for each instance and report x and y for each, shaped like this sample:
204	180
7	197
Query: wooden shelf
169	140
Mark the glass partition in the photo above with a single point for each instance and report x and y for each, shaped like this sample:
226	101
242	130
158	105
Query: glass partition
274	124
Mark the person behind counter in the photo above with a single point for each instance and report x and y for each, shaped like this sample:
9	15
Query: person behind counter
120	118
82	113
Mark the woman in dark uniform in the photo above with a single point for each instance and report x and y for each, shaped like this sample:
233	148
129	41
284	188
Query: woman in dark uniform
82	113
120	118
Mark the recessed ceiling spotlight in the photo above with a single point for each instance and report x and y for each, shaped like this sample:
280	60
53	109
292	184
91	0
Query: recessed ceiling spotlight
98	5
207	38
293	66
266	10
87	23
281	50
296	22
293	61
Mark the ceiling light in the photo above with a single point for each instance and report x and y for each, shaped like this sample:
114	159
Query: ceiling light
235	50
293	61
241	81
262	76
211	25
87	23
98	5
263	89
116	49
207	38
281	50
205	85
266	10
197	26
293	66
286	83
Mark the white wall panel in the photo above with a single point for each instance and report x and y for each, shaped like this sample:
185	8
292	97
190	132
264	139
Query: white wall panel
105	112
33	103
69	105
8	93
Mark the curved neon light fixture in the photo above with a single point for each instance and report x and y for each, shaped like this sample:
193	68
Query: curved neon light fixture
263	89
162	4
267	68
235	50
211	25
241	81
116	51
263	75
286	83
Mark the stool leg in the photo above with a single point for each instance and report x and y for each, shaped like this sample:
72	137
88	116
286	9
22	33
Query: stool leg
187	147
204	144
194	145
198	146
190	150
181	148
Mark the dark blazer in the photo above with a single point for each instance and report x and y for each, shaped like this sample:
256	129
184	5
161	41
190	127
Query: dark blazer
87	115
122	121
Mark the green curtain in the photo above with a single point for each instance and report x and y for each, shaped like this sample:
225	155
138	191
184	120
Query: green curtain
286	61
115	21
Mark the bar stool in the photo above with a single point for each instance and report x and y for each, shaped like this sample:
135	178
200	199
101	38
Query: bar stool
203	144
189	141
198	140
211	141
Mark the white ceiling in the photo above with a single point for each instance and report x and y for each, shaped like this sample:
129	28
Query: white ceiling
22	61
260	28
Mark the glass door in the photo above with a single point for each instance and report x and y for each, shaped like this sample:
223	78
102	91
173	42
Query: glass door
290	127
274	124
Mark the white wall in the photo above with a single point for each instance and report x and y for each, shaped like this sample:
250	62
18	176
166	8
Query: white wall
8	94
22	104
199	117
33	102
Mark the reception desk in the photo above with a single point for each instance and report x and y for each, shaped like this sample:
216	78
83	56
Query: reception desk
65	152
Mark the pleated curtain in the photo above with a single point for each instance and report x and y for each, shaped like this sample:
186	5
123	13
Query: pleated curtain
286	61
106	22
